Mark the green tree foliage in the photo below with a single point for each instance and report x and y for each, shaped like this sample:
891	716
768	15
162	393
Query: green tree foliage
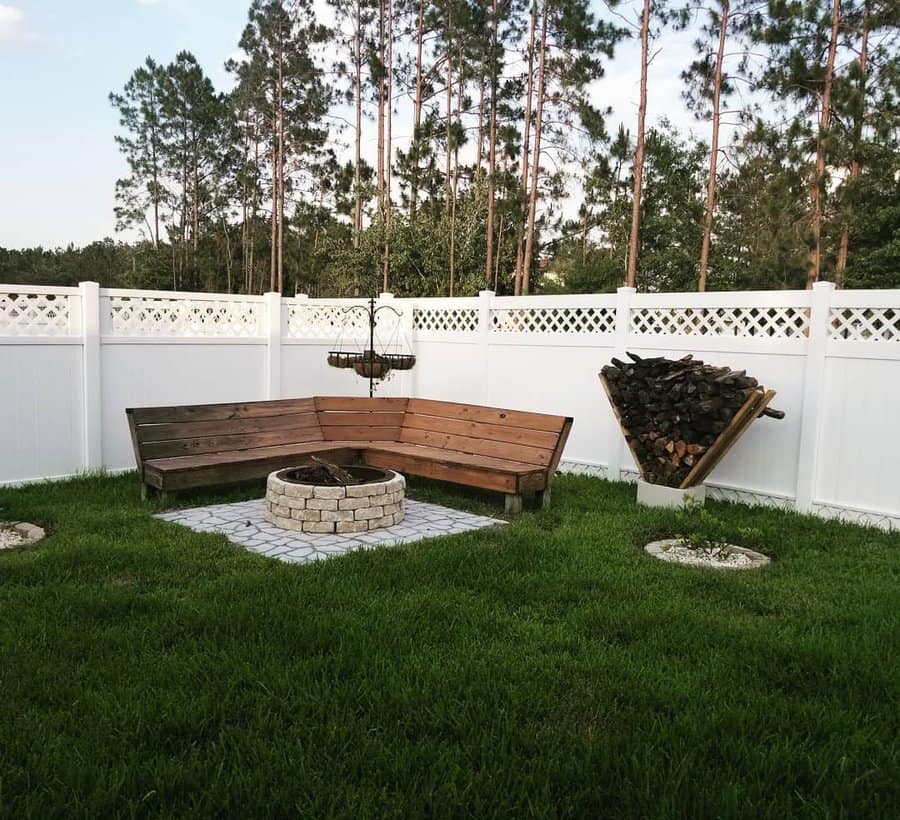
499	170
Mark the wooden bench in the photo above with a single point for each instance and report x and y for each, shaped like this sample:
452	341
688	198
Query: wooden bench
509	451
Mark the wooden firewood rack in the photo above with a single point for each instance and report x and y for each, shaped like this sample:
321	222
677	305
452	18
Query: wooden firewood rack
755	405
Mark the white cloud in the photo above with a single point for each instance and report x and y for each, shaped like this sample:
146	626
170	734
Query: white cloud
147	2
10	24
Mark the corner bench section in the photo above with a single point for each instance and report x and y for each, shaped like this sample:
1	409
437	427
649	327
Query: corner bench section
513	451
208	444
508	451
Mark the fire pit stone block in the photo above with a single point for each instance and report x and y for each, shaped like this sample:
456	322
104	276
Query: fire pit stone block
353	508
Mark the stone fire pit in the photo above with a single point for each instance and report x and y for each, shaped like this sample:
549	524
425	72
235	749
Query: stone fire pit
374	501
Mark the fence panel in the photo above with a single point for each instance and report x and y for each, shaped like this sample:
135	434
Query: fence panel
72	360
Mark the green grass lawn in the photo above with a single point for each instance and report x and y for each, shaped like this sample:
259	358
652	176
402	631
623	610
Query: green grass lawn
547	668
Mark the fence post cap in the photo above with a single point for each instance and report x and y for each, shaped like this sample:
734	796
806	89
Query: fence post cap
823	286
626	289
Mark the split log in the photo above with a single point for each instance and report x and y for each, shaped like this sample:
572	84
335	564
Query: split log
680	417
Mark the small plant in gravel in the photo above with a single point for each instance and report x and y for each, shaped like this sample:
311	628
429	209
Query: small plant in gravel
699	529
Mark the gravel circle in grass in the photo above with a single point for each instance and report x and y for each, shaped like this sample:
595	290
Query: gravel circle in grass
19	534
729	556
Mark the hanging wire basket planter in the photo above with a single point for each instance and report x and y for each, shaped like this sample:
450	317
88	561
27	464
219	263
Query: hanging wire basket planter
371	365
342	359
401	361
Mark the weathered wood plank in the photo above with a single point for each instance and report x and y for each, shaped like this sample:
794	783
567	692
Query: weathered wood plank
489	415
480	430
754	405
372	433
229	473
625	431
336	418
557	453
486	447
358	403
428	468
226	444
184	463
455	457
211	412
306	426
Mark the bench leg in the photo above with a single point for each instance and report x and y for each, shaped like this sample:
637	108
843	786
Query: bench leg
513	504
543	497
148	491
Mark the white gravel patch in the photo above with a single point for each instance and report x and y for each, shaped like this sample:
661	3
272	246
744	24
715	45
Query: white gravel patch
10	537
18	534
729	556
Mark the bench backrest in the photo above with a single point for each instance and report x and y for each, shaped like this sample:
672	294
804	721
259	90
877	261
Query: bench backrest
164	432
351	418
514	435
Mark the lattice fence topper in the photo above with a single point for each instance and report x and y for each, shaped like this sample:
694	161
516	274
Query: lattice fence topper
34	314
764	322
865	324
452	320
151	316
567	321
306	321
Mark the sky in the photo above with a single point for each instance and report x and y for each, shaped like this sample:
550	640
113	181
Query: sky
60	59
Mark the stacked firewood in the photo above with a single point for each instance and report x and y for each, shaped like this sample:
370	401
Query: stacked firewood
677	413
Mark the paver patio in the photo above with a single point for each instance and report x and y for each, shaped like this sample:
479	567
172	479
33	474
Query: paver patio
243	524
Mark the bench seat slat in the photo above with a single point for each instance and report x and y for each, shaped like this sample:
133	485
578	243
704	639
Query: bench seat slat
452	457
457	468
182	463
230	471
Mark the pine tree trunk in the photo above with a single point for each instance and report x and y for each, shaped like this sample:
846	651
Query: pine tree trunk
389	74
841	265
498	255
479	144
631	275
449	139
815	260
380	149
714	151
460	74
492	146
417	116
526	154
357	159
281	164
536	156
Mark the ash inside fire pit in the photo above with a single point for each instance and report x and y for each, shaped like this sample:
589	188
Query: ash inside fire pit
323	475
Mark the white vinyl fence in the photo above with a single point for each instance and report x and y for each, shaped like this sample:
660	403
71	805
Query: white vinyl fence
72	360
